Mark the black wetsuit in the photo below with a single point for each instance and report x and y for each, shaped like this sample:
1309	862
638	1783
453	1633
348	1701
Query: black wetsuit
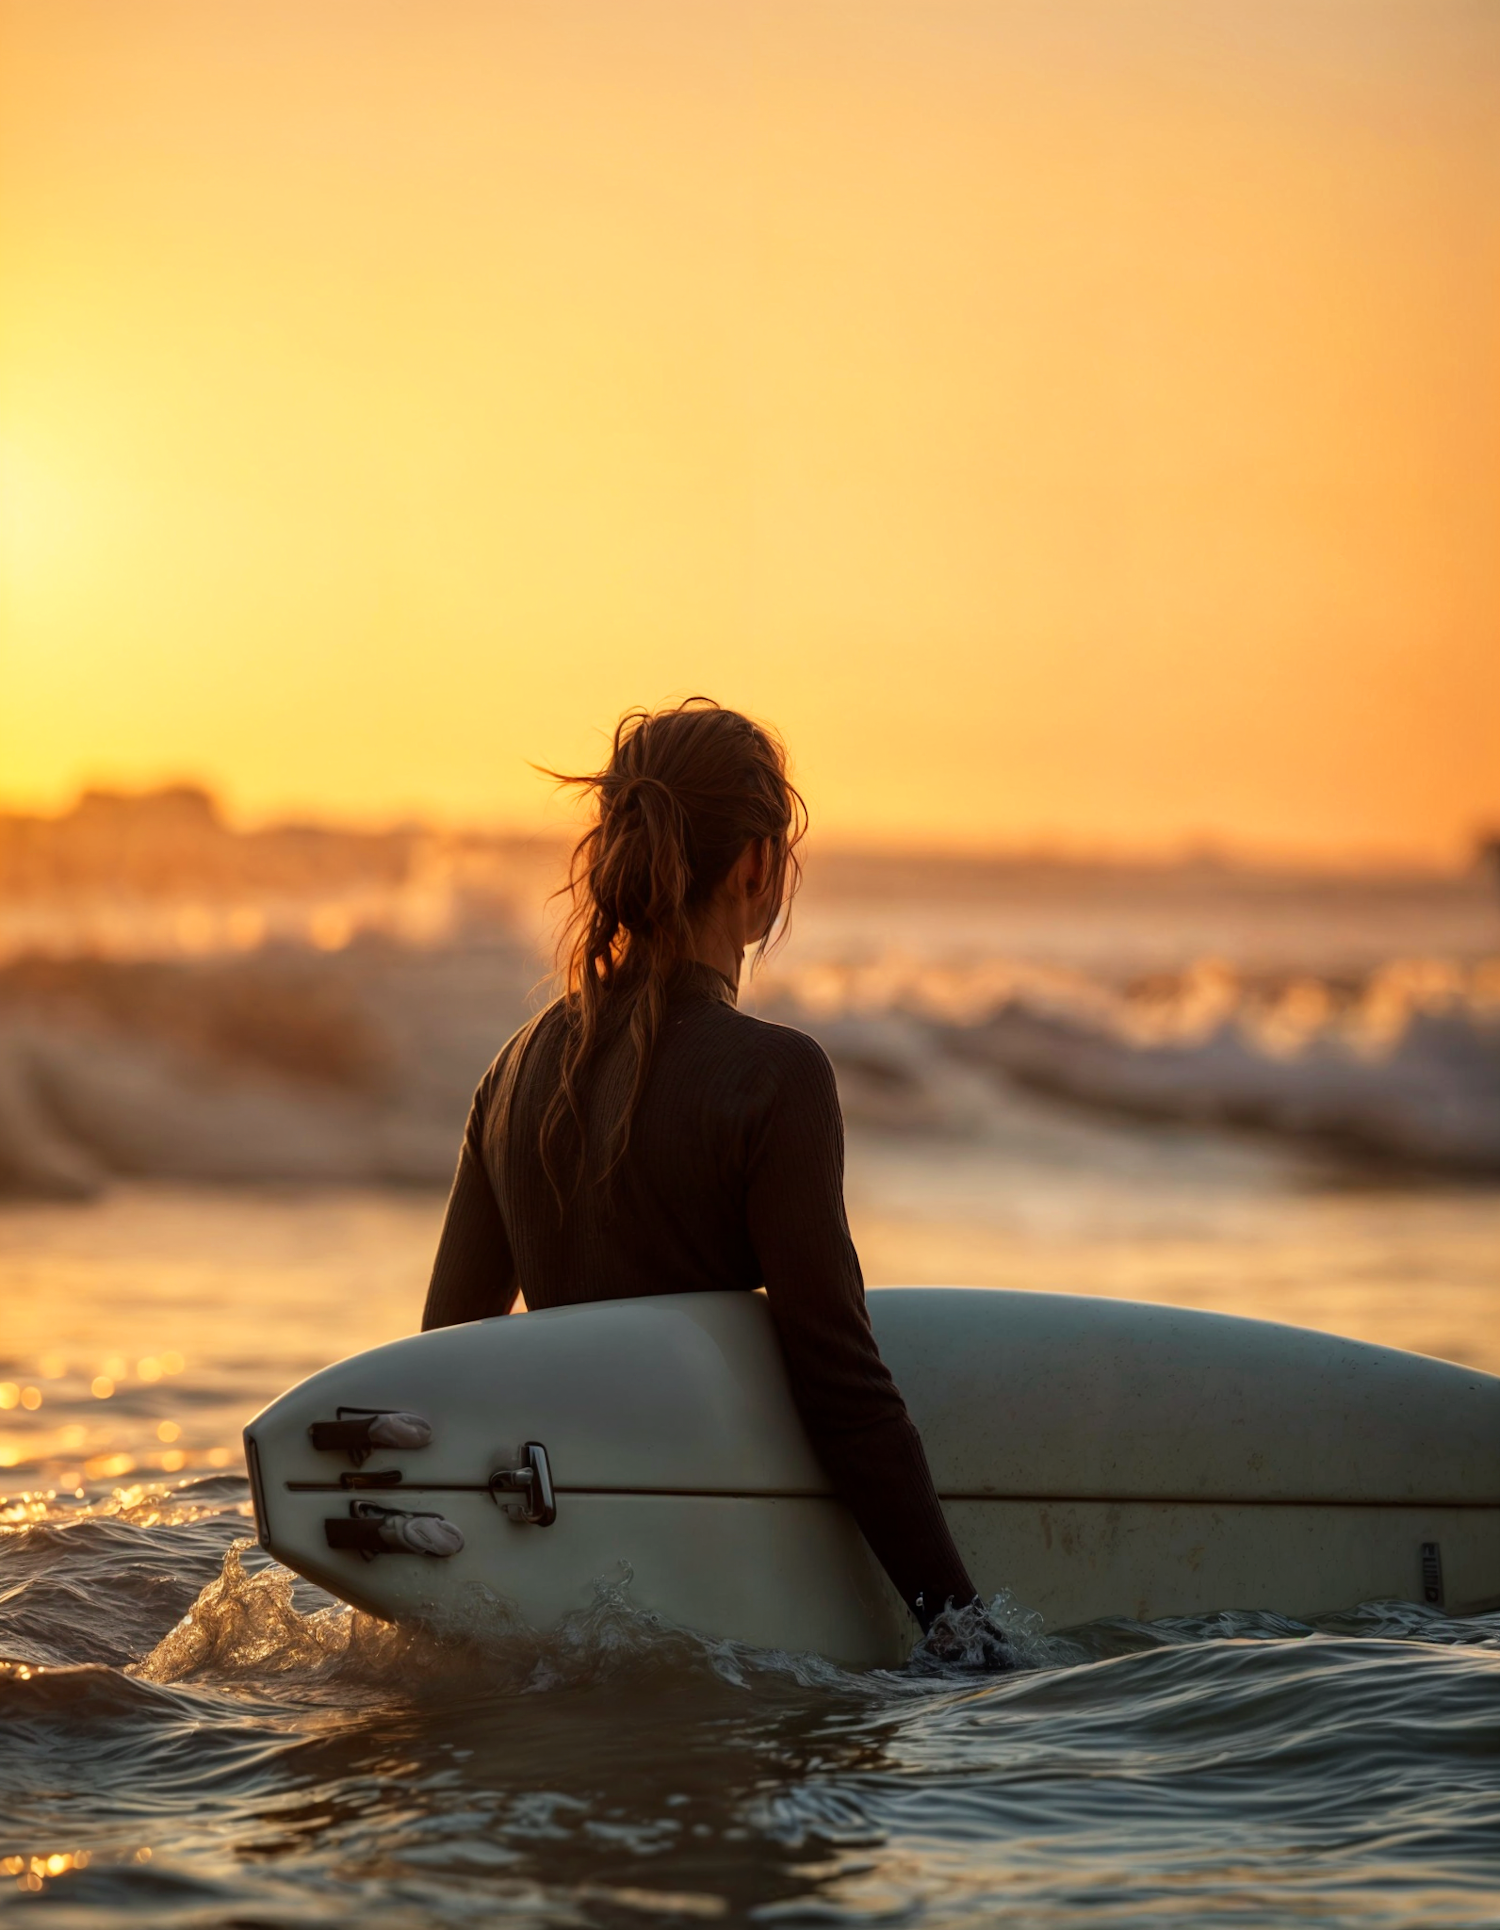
733	1177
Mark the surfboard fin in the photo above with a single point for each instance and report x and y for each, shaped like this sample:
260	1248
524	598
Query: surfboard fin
358	1431
372	1531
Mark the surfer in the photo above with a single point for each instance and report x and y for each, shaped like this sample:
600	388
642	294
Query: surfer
644	1136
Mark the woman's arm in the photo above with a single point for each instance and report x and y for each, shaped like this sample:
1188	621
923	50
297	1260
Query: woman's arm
474	1272
849	1404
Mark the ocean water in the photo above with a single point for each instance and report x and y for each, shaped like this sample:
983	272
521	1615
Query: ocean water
188	1736
1271	1098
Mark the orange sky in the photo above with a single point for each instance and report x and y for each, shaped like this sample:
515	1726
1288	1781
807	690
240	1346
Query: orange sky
1066	421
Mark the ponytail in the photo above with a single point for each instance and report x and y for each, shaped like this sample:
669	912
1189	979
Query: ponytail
684	792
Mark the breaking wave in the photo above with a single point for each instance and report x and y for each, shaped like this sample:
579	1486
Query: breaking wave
356	1066
1402	1064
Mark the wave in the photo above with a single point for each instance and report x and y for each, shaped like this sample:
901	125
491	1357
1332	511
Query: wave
35	1692
354	1068
357	1068
78	1112
1402	1065
267	1755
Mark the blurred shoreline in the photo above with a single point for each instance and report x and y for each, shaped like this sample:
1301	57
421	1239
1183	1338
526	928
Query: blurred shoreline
162	873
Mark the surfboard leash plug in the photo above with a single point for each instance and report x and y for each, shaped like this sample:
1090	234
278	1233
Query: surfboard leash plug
531	1483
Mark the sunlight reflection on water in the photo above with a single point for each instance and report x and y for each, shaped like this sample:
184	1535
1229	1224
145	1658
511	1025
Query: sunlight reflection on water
194	1737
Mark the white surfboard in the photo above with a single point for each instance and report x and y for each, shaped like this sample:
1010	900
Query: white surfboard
1094	1457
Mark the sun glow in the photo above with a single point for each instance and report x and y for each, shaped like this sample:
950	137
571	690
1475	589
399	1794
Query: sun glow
1063	423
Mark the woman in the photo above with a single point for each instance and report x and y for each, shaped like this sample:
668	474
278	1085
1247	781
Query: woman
643	1136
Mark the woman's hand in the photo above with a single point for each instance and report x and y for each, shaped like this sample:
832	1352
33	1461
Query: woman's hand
966	1639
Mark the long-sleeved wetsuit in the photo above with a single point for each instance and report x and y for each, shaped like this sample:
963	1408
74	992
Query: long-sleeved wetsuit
733	1177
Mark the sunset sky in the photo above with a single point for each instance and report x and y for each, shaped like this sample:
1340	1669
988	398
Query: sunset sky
1068	422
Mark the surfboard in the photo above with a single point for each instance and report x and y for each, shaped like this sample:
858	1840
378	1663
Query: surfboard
1094	1457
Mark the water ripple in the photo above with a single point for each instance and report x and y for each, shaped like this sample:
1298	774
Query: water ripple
195	1738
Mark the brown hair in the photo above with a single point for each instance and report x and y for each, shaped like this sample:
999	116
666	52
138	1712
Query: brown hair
684	792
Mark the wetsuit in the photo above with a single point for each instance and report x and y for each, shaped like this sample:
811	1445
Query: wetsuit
733	1177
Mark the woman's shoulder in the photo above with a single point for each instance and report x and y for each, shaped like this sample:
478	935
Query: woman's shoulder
784	1054
539	1026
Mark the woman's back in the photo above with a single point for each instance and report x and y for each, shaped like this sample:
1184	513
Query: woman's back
733	1177
643	1136
683	1211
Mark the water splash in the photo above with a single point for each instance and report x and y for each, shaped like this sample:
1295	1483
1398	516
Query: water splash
246	1628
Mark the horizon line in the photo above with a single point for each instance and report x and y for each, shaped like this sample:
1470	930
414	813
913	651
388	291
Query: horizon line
1190	850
